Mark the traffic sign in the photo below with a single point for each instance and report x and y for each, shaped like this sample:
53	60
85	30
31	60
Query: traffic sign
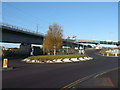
5	62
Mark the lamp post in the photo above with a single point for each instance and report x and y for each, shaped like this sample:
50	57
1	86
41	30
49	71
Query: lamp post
83	51
67	43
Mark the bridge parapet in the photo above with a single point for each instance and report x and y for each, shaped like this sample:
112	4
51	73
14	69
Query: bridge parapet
111	42
20	29
85	41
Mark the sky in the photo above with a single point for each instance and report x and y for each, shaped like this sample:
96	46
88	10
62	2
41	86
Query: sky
85	20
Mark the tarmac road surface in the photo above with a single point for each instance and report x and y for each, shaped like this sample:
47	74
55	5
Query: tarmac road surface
28	75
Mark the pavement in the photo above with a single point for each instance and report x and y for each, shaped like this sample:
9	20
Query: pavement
29	75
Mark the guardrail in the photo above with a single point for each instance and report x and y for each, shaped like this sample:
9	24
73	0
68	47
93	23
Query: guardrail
94	41
113	43
20	29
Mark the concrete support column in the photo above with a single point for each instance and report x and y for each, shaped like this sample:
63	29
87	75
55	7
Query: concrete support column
78	46
118	46
25	48
97	46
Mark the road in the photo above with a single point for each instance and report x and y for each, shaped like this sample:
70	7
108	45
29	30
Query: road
28	75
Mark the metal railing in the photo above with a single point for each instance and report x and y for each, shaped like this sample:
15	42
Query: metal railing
20	29
93	41
87	41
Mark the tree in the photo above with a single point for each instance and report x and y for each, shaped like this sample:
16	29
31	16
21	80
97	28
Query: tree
53	39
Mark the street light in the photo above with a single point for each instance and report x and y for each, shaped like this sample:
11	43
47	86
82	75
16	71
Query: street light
67	43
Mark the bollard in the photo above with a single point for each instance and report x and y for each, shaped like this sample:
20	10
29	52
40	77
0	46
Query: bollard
107	54
110	50
116	54
5	61
103	54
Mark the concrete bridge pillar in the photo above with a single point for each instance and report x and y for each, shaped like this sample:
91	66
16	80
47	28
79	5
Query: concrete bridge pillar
25	48
78	46
118	46
97	46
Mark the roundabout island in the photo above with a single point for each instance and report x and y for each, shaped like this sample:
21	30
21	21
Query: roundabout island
57	59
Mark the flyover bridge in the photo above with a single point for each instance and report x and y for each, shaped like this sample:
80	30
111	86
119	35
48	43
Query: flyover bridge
15	34
94	42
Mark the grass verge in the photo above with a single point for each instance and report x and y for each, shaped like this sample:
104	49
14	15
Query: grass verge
51	57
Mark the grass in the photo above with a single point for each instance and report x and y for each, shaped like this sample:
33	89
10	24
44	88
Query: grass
51	57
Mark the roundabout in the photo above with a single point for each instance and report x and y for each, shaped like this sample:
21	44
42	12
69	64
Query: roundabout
65	60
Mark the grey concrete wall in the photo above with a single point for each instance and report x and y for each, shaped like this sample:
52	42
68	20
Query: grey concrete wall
25	49
19	37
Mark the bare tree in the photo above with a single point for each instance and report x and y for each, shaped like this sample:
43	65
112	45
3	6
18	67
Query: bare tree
53	39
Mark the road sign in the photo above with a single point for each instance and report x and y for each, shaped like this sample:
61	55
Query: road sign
5	61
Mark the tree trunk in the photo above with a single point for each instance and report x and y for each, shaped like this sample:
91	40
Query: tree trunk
54	51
